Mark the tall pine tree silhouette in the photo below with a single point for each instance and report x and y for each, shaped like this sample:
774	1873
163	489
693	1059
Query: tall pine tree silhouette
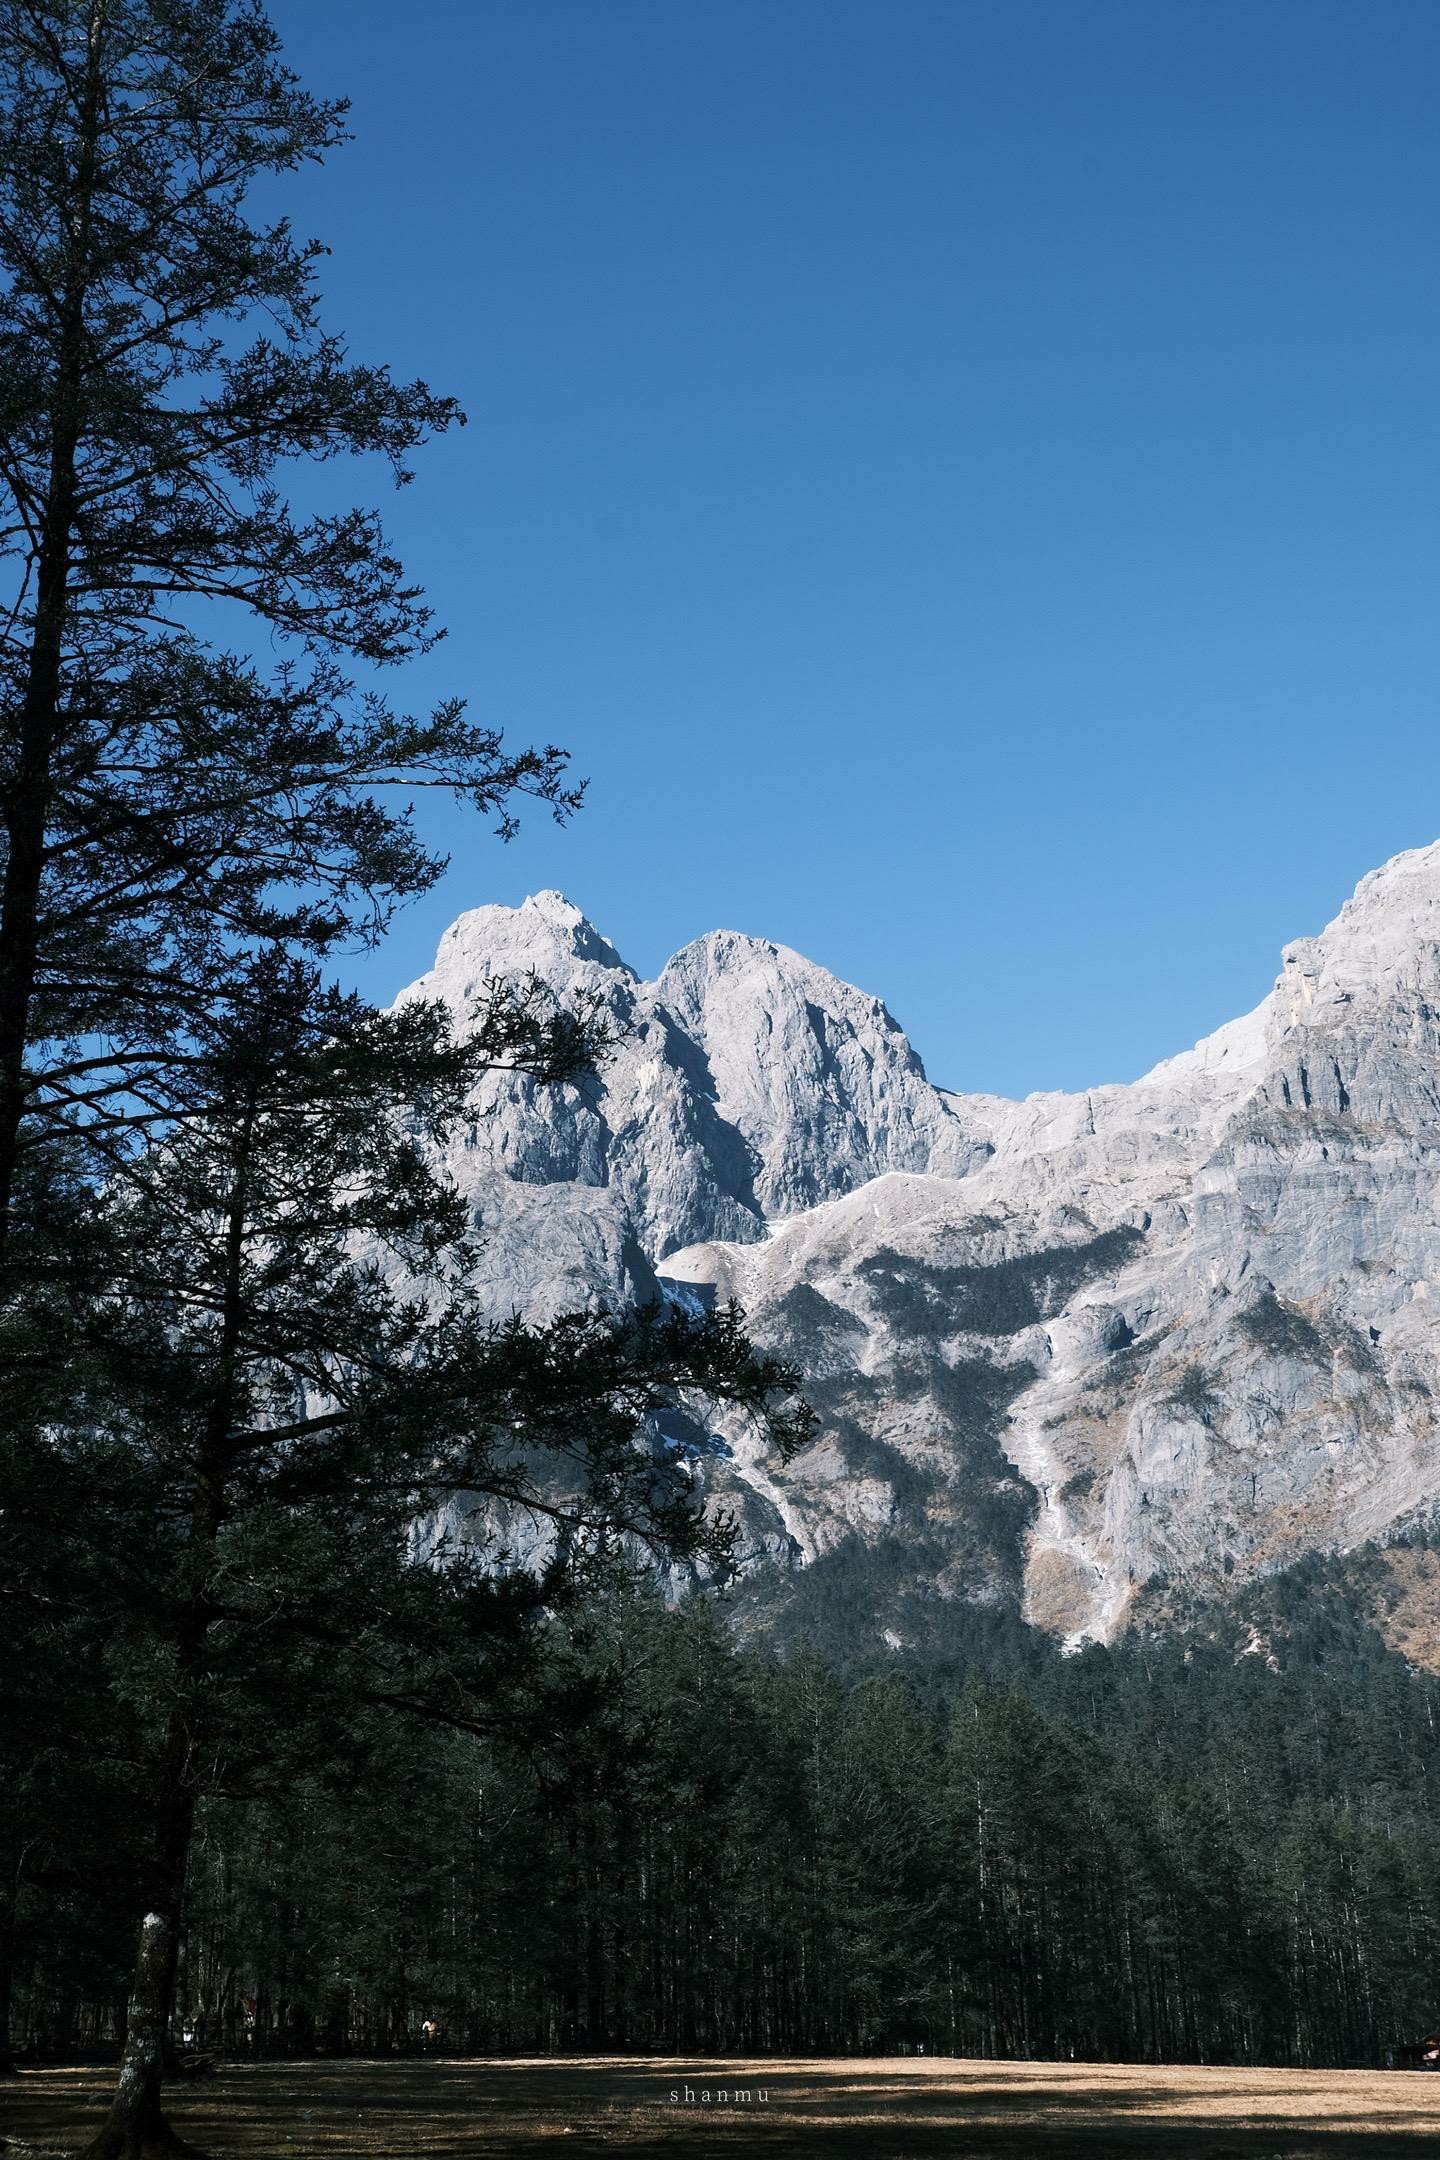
166	803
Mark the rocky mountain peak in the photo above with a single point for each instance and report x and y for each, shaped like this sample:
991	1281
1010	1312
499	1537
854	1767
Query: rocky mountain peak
1385	936
739	989
746	1082
1182	1330
546	935
817	1075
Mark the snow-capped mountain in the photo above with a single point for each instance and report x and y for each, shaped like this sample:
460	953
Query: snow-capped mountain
1178	1331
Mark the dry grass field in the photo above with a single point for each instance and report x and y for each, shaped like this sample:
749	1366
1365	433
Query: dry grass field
880	2109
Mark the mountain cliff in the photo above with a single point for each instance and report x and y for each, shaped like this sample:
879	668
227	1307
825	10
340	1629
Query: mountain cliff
1066	1351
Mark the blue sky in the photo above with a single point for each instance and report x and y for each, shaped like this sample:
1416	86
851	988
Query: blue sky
961	478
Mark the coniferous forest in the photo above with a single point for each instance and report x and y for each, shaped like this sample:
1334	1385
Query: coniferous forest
1170	1850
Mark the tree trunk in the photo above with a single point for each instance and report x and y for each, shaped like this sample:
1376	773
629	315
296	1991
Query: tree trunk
135	2128
26	806
7	1972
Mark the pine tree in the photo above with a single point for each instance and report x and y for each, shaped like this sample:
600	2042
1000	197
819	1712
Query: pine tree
165	803
307	1464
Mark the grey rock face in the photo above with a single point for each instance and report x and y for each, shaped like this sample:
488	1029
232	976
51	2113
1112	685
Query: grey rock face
816	1076
1176	1332
746	1083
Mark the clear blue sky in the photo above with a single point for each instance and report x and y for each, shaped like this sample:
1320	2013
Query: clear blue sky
960	475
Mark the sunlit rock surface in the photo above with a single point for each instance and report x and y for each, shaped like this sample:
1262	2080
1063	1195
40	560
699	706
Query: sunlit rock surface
1178	1331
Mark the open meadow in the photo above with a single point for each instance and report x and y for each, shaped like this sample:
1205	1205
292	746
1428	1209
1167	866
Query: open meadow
864	2109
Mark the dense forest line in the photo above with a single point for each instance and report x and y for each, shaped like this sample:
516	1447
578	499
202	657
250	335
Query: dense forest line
1168	1850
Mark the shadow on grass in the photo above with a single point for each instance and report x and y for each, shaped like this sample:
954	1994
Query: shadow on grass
440	2110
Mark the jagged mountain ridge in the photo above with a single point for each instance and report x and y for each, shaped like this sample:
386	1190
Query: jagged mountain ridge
745	1084
1062	1348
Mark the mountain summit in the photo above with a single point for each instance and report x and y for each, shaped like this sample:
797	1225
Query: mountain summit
1086	1352
746	1085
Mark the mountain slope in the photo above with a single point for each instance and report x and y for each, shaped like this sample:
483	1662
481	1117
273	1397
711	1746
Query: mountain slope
1177	1330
